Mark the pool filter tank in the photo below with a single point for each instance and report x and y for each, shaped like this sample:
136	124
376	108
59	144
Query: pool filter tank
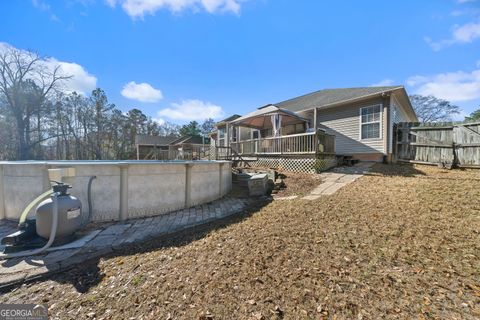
69	213
56	220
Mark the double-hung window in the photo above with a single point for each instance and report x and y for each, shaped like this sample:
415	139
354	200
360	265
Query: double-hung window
370	127
221	137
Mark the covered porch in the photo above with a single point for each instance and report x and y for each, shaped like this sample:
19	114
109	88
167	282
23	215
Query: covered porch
277	131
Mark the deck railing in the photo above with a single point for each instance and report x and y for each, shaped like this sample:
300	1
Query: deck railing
303	143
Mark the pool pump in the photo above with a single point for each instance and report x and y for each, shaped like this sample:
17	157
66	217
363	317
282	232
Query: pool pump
69	213
56	218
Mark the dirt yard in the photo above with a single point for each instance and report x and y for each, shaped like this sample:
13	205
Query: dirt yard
297	184
400	243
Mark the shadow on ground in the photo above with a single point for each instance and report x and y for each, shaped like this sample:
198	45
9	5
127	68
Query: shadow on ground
396	170
86	273
410	170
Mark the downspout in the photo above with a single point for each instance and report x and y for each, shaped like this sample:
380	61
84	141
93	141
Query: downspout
386	128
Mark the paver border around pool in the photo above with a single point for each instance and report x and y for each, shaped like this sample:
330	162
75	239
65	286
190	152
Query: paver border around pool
114	238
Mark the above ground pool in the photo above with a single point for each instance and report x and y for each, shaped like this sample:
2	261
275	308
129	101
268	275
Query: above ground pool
121	190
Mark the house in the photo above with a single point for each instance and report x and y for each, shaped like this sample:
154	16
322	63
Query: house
360	119
221	135
171	147
148	146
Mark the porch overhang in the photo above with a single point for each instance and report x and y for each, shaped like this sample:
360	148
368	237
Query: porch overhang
261	118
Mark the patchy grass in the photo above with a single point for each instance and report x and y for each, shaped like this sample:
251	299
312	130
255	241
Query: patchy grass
298	184
402	243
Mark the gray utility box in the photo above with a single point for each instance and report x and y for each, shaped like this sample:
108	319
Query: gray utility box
258	184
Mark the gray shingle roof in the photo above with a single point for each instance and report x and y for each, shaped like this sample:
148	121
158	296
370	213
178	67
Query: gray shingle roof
192	140
147	140
231	118
331	96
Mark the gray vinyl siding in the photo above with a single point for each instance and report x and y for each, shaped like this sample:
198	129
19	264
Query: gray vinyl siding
344	123
398	114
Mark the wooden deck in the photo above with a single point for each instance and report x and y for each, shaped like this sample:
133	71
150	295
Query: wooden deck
295	144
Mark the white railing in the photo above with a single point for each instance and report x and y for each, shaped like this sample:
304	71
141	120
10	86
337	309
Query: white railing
292	144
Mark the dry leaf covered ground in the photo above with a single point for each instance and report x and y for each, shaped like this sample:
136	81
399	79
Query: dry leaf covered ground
401	243
297	184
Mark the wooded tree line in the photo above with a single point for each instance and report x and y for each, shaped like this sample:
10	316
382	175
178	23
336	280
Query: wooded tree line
38	120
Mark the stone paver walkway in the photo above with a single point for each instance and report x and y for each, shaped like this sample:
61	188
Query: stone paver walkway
337	178
113	238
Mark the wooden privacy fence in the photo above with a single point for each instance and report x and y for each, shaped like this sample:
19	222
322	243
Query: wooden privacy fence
457	144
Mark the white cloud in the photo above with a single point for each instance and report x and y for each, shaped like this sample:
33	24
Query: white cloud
142	92
451	86
81	81
42	6
189	110
383	83
159	121
466	11
140	8
466	33
465	1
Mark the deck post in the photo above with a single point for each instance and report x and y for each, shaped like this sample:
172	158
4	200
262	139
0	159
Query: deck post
138	151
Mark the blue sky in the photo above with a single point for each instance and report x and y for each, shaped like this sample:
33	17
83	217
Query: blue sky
181	60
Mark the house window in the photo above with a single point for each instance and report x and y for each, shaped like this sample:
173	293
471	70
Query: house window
266	133
221	137
370	122
233	134
299	128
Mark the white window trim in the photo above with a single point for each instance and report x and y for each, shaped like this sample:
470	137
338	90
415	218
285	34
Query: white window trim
252	131
380	121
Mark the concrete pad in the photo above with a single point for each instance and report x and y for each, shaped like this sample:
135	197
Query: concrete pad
322	187
311	197
349	178
285	198
334	188
19	265
77	243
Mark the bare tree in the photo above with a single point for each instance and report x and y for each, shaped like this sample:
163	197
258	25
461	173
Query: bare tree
25	84
432	109
38	120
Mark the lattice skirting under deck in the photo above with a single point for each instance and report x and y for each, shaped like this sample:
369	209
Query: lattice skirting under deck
304	165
